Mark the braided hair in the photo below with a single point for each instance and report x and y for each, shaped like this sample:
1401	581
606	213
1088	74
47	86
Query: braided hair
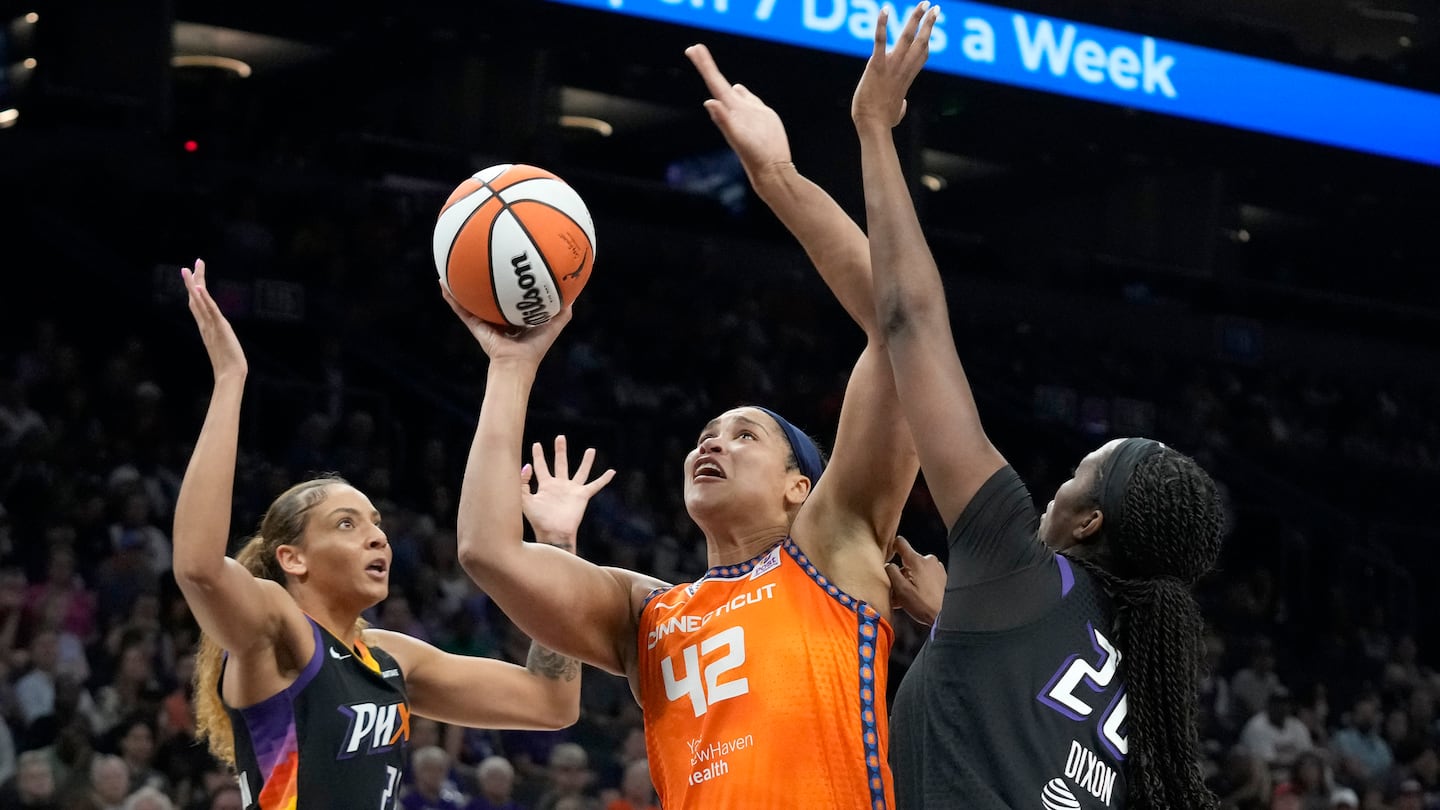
1166	537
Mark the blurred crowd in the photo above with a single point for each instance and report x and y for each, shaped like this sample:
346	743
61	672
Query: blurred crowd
1321	693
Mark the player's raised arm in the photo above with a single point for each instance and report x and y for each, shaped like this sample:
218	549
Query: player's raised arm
871	446
955	453
241	612
567	604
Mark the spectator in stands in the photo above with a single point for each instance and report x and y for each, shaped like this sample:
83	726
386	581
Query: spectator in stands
149	798
396	615
135	742
34	786
1344	799
1310	781
1398	734
496	778
1253	685
1424	768
1242	781
630	750
177	710
1409	796
63	588
136	525
124	576
109	781
1214	721
1362	754
637	792
1403	672
1313	709
227	797
1423	717
134	688
1276	735
431	789
35	692
569	775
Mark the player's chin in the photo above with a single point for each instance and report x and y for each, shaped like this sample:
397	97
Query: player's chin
378	590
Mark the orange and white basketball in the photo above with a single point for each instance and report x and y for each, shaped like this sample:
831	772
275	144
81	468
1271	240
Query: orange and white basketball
513	244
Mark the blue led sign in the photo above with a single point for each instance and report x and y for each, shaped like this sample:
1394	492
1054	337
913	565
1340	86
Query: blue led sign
1099	64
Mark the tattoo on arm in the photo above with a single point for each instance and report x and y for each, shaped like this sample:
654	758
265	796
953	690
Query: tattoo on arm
550	664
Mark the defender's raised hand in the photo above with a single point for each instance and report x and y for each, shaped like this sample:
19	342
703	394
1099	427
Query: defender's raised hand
226	356
556	507
880	96
751	128
917	583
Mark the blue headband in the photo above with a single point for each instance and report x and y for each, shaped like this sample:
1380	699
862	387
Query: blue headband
807	455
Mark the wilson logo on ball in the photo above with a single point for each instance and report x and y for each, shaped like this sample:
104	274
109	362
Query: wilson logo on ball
513	244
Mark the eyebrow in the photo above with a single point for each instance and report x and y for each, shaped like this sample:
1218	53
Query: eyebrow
739	418
346	510
747	420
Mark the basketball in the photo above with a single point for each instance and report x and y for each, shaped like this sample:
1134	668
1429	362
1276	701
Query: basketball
513	244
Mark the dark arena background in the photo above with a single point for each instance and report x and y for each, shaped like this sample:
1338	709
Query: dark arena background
1267	304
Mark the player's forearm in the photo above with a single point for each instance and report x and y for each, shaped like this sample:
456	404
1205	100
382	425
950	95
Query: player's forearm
833	241
202	509
907	284
489	526
559	676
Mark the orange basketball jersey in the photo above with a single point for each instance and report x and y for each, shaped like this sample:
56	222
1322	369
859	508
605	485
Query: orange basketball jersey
763	686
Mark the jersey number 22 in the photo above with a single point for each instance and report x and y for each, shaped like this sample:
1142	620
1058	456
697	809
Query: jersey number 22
1060	693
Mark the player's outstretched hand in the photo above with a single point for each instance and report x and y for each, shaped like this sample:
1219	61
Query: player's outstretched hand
880	96
226	356
558	503
917	582
751	127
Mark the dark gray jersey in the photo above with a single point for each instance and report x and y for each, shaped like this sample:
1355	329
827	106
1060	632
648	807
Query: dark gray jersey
1017	700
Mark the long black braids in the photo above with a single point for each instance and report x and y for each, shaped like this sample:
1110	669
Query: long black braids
1168	538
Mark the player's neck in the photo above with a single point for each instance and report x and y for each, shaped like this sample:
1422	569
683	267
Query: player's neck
732	547
337	621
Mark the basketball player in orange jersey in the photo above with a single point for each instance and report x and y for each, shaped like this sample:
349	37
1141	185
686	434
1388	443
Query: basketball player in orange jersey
762	683
312	708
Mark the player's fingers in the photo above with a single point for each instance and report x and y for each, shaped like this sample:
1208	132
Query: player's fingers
908	555
912	24
562	457
582	472
537	454
927	27
919	50
464	314
599	482
900	585
700	57
881	23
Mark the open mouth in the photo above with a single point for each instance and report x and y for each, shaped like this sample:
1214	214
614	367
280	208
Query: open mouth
378	569
708	469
